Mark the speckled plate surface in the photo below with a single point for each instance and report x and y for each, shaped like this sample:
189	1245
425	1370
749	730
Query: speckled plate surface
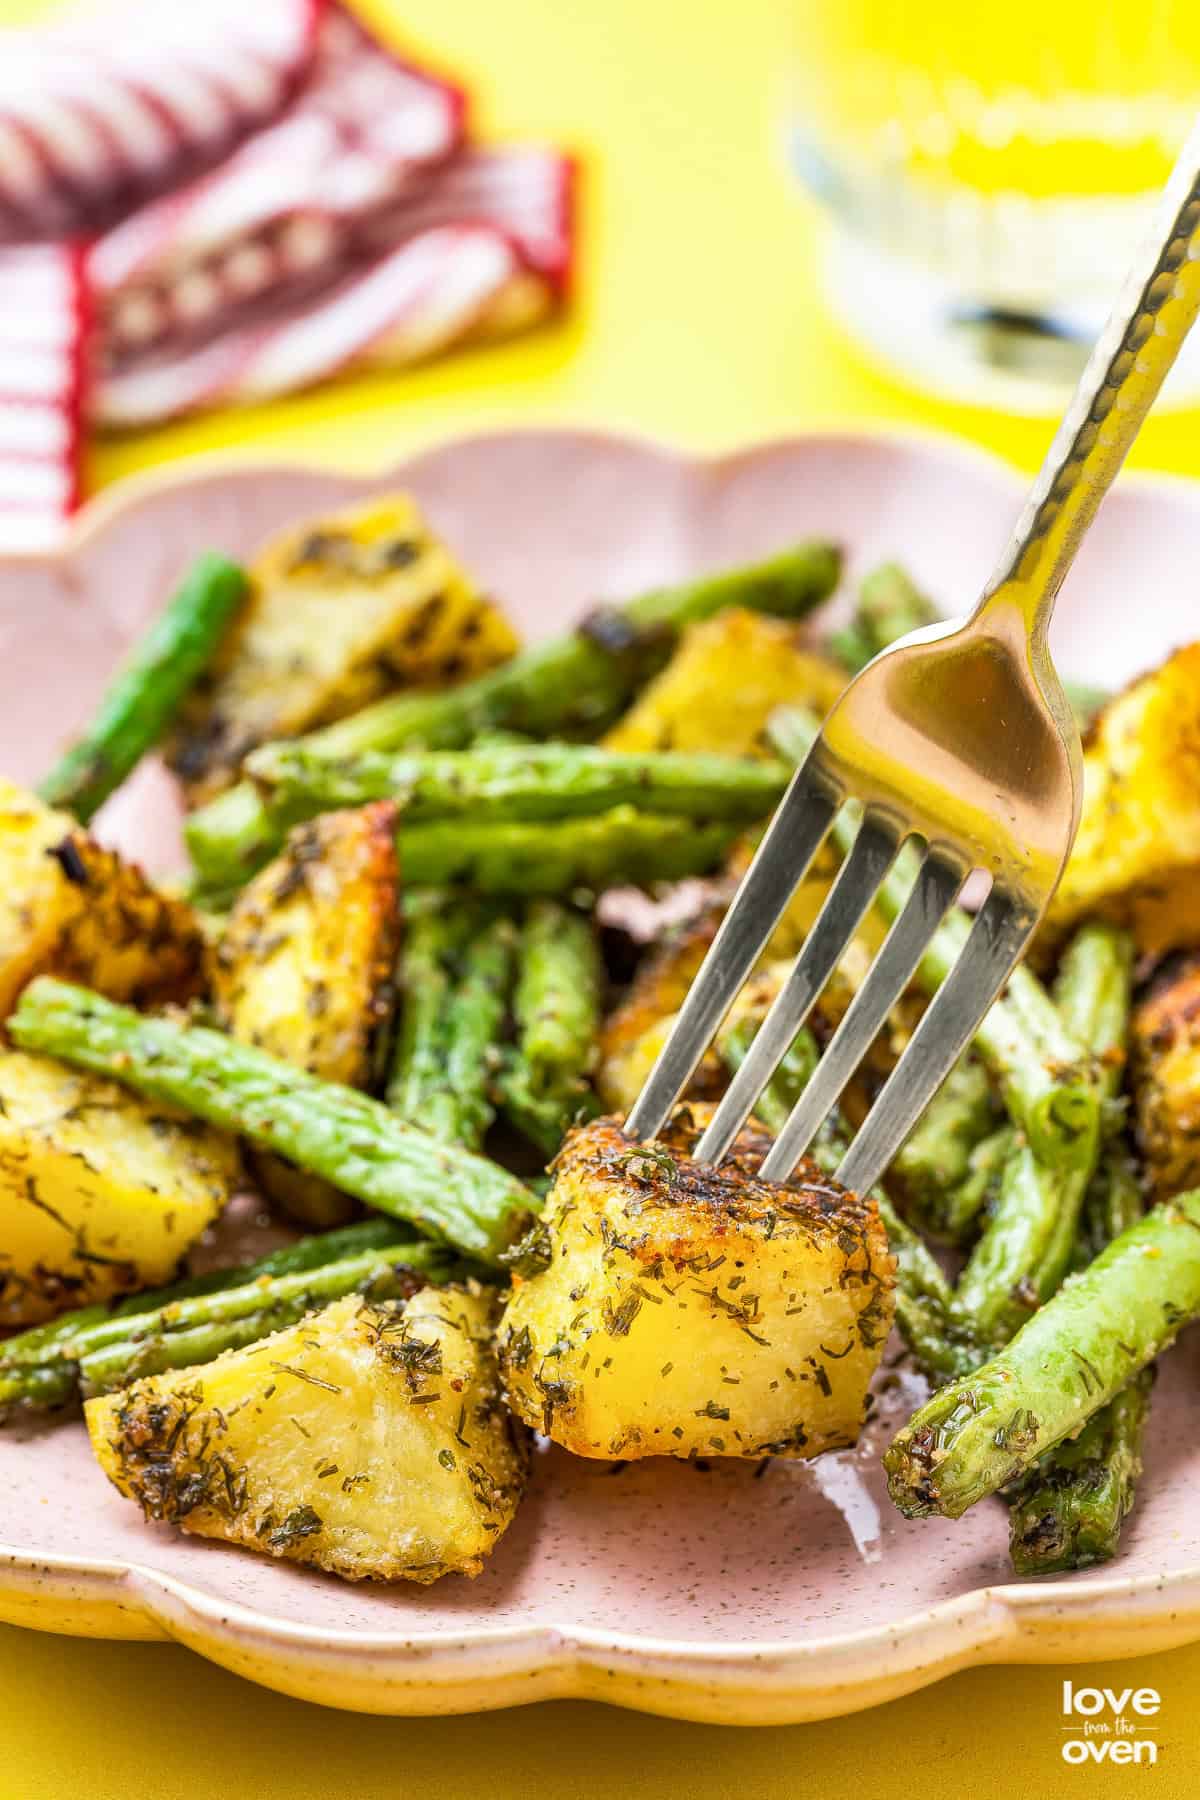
711	1594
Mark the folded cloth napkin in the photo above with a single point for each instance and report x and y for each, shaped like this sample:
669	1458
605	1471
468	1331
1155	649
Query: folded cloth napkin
282	211
106	108
257	195
484	251
43	328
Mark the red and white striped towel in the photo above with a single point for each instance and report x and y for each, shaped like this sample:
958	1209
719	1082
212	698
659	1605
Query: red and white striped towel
523	192
43	329
487	249
257	195
283	210
109	107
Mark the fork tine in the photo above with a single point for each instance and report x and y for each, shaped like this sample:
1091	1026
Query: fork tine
1001	930
851	895
791	841
940	877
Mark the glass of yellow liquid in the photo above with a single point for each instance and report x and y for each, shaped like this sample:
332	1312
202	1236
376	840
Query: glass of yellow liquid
989	166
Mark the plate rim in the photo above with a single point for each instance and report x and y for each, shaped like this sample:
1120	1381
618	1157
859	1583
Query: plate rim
485	1667
141	486
482	1668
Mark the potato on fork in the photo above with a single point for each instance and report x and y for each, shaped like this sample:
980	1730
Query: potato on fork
686	1310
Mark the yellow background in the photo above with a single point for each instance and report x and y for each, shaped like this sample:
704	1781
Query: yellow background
698	320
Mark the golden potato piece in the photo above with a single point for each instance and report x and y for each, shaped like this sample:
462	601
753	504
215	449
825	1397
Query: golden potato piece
369	1440
305	965
1137	855
634	1031
305	970
689	1311
786	942
1165	1041
340	612
70	908
628	1067
723	683
101	1192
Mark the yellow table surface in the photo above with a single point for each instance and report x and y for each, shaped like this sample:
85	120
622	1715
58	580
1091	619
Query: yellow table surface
698	321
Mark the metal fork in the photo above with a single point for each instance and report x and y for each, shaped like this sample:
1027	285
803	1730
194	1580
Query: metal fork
958	737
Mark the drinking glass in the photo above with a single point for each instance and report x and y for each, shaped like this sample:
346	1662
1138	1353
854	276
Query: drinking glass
988	166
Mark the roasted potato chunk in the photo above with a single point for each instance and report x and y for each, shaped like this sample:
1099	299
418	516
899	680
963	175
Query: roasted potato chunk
305	964
305	969
634	1031
101	1192
1165	1060
723	683
339	614
70	908
684	1310
637	1029
631	1061
369	1440
1137	855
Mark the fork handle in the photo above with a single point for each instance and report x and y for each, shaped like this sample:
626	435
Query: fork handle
1155	312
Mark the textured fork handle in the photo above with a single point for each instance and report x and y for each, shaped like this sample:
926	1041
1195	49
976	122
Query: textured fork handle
1137	347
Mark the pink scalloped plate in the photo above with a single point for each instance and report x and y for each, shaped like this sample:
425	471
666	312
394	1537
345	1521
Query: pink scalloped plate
713	1594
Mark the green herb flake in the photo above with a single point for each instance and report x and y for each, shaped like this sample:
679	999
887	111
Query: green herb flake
532	1254
647	1162
301	1523
303	1375
618	1320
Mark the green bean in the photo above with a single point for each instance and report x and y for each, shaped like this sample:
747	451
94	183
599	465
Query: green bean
40	1367
349	1139
1027	1244
890	605
935	1165
557	1013
1081	1349
145	694
1069	1510
455	979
